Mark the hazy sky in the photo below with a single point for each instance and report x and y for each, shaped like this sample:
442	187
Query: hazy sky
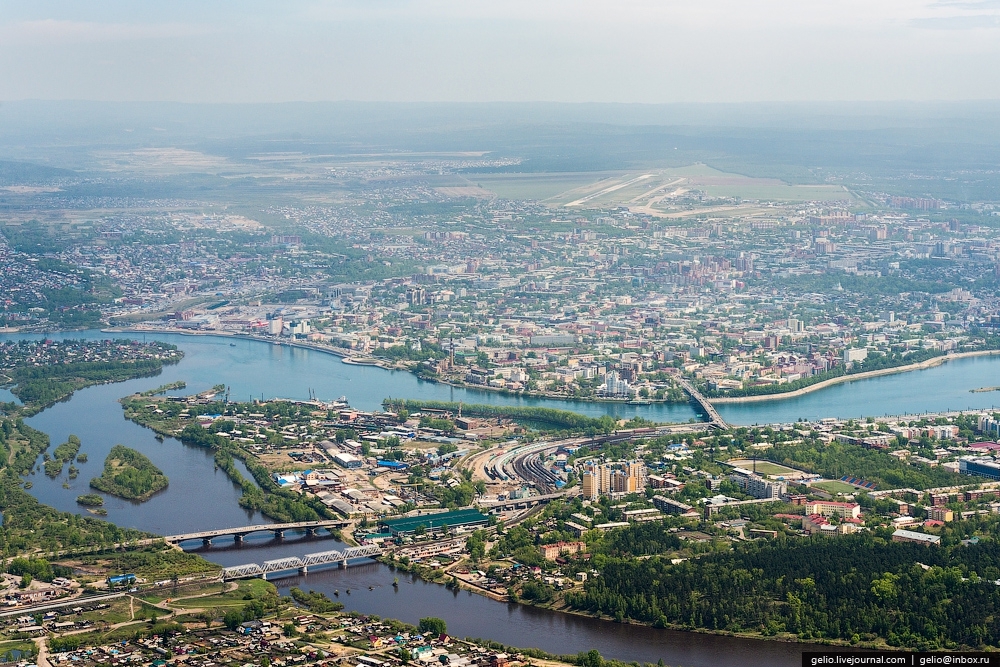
513	50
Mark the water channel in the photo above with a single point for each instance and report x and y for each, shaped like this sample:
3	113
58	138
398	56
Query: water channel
200	497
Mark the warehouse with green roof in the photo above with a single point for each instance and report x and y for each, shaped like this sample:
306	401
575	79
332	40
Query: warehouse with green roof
455	519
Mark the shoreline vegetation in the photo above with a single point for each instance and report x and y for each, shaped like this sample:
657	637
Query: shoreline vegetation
129	474
40	387
852	377
774	591
346	358
31	527
569	606
775	395
164	388
560	419
259	493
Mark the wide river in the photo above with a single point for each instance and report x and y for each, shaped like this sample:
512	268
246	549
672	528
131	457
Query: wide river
200	497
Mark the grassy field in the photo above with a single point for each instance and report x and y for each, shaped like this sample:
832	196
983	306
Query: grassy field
834	487
256	588
536	186
638	187
18	645
120	610
763	467
779	192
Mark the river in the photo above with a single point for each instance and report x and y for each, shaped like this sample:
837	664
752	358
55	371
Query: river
200	497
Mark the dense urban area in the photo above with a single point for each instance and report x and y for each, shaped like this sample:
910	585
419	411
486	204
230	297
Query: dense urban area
669	285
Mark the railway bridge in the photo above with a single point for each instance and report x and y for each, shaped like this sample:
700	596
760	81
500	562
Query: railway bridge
301	564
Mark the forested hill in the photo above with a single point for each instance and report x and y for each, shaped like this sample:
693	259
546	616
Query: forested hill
861	588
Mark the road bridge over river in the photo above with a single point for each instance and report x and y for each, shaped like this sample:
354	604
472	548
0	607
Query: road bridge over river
714	418
279	530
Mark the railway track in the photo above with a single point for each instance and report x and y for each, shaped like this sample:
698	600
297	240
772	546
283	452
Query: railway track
525	462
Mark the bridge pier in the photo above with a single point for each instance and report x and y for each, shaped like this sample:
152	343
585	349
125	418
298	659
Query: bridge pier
206	542
343	564
279	534
238	538
304	570
310	532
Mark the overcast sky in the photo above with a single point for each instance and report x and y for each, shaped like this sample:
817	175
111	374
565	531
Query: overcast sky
650	51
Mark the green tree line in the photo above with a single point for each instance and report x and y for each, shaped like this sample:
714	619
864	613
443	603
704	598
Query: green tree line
836	459
854	588
562	419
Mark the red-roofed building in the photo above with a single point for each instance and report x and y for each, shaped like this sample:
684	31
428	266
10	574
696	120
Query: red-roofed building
991	446
816	524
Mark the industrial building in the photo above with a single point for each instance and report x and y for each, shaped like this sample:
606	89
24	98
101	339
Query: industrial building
979	466
911	536
455	519
347	460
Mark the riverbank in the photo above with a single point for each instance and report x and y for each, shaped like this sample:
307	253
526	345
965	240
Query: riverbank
347	358
923	365
558	606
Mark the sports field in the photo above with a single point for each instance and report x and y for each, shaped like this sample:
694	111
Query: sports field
834	487
763	467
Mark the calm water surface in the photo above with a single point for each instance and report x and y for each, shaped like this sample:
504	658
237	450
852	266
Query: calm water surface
471	615
200	497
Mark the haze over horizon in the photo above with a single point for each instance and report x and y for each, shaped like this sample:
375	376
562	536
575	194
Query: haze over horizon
556	51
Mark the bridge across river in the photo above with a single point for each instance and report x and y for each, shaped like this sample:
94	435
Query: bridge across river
714	417
300	564
279	530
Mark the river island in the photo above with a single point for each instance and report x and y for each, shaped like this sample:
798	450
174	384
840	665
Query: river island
129	474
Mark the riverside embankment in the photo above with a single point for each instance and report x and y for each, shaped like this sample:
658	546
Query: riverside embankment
929	363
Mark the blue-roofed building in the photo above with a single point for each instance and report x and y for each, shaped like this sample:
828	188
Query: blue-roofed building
121	580
979	466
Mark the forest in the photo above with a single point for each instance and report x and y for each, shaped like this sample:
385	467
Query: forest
40	386
858	589
836	459
558	419
129	474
